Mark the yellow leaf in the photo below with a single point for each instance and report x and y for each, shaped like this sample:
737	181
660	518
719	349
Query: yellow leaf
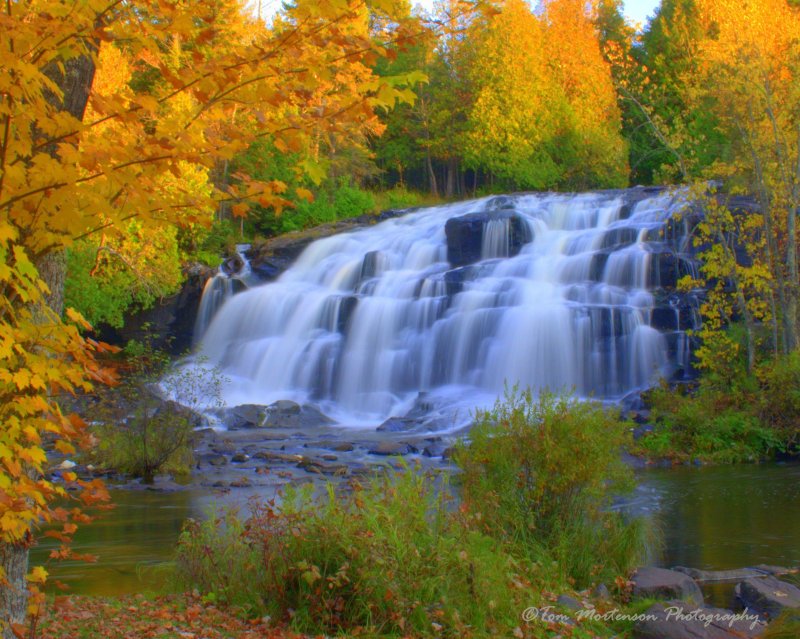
38	575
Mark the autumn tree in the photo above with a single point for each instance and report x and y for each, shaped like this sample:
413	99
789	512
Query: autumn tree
593	152
65	178
748	70
514	119
544	112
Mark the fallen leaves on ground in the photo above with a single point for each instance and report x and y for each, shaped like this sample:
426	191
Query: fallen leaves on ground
137	617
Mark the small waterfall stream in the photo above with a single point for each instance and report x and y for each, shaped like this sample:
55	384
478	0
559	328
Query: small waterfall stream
544	290
220	288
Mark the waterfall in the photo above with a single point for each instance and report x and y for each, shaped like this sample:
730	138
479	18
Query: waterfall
228	279
555	291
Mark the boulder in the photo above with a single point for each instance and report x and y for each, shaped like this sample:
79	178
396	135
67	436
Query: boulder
271	257
232	265
386	448
569	603
398	425
341	447
288	414
169	324
710	576
676	620
768	596
244	416
650	582
281	414
319	467
602	593
465	235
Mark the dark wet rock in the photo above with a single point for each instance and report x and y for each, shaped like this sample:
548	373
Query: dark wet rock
632	197
601	592
174	411
319	467
341	447
434	449
455	279
241	482
224	447
666	268
329	457
677	620
465	235
768	595
374	264
398	425
344	312
244	416
774	570
632	402
169	324
570	603
240	458
281	414
597	267
232	265
271	257
650	582
288	414
271	456
619	237
709	576
267	270
218	460
391	448
641	417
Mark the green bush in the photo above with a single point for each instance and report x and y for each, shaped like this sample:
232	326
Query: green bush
401	198
350	201
541	475
388	558
140	433
709	425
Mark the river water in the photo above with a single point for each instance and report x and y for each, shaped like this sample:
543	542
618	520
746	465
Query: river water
710	518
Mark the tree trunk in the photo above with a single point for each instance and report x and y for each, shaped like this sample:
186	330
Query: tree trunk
432	175
75	82
452	169
790	313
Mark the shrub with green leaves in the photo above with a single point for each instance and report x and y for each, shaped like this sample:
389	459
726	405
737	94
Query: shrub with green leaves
715	426
541	474
139	431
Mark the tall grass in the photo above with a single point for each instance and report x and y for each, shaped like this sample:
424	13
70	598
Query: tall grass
399	556
387	556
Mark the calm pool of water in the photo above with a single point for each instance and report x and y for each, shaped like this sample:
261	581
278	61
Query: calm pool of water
722	517
710	518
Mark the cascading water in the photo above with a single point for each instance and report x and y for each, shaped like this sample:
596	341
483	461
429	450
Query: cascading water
228	279
542	290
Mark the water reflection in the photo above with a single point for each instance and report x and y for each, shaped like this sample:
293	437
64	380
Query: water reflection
131	541
716	518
